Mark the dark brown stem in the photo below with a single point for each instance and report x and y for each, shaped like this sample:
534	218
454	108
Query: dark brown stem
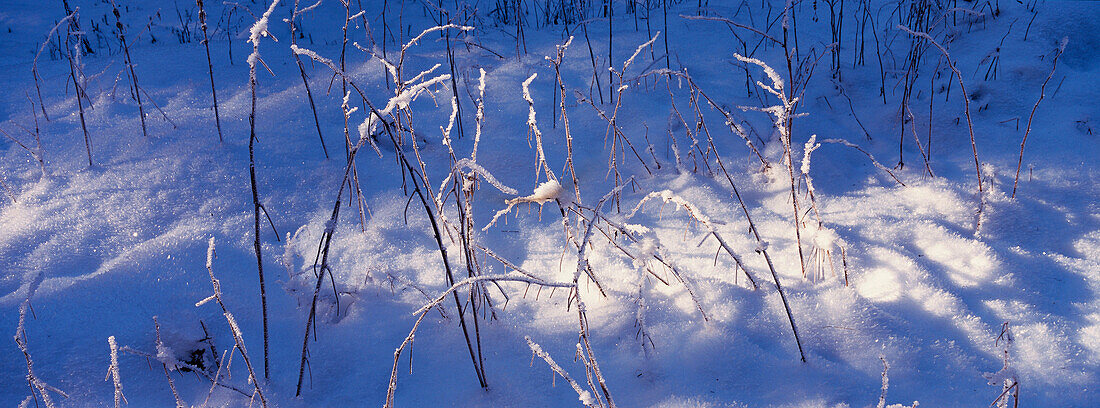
969	123
1042	93
305	79
210	66
130	65
79	102
253	59
238	338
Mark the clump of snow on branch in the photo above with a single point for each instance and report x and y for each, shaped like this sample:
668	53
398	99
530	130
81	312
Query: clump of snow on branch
545	192
399	101
166	356
259	29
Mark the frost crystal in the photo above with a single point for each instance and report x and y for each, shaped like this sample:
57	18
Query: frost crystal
166	356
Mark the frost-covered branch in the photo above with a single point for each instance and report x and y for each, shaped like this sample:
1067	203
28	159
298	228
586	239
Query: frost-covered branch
696	214
112	372
238	338
583	395
36	383
516	277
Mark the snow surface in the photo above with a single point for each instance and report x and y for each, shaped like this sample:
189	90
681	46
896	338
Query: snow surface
894	273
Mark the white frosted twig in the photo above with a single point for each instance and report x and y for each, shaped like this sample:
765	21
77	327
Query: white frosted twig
584	351
309	53
823	239
557	62
885	382
236	329
811	145
112	372
258	30
408	95
392	387
733	23
696	214
509	277
639	51
450	122
532	124
782	114
392	69
669	197
507	264
582	249
399	101
218	374
468	164
429	30
480	113
50	34
238	338
777	81
168	362
423	73
583	395
21	341
307	9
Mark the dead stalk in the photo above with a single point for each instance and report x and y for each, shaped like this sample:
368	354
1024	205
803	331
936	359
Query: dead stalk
161	350
130	65
980	215
210	68
36	383
238	337
112	372
1042	93
302	70
259	29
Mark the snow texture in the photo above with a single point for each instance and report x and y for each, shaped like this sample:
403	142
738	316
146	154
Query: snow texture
915	311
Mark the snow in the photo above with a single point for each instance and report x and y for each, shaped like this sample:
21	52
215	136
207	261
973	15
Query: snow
905	305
